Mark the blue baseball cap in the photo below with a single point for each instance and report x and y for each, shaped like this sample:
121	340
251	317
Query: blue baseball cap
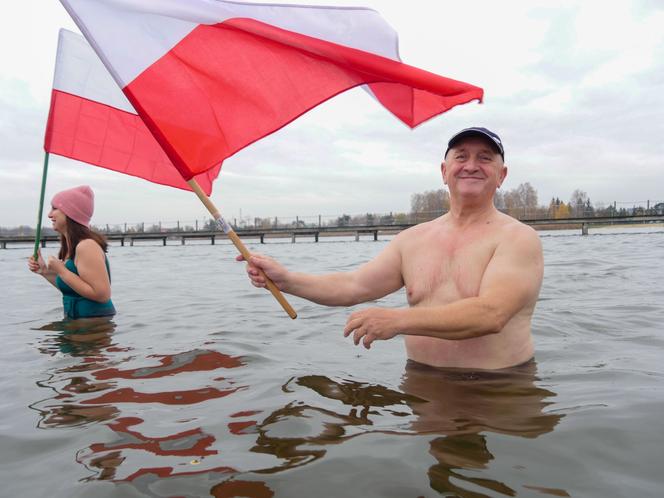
477	131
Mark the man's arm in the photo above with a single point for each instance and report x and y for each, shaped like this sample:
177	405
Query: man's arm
374	279
511	282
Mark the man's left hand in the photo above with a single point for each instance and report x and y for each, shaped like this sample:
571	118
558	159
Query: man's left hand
372	324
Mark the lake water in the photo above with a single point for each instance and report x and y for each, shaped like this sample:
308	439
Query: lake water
201	386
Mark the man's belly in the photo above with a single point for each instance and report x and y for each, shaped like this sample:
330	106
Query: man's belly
494	351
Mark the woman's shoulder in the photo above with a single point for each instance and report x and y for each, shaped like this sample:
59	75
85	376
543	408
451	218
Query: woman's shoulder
89	247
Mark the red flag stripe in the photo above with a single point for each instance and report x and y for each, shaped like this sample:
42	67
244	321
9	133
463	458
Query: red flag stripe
225	86
113	139
91	120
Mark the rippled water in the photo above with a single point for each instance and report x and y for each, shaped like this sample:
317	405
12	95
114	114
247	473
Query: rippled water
201	386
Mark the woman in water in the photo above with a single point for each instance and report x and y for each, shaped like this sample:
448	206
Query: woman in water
81	271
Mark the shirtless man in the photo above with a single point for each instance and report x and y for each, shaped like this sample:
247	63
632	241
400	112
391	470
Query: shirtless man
472	276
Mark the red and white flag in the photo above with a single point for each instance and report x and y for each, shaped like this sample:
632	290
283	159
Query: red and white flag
210	77
91	120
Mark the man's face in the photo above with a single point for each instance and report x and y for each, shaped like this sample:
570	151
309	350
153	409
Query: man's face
473	168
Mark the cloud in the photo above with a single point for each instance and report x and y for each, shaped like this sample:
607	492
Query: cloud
576	91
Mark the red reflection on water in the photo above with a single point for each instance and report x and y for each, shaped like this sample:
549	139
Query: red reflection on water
238	428
165	472
193	442
128	395
190	361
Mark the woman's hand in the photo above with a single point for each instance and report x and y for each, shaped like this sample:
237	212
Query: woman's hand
37	266
55	265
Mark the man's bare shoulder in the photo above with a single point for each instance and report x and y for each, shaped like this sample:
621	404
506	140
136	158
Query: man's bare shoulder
420	230
511	226
516	233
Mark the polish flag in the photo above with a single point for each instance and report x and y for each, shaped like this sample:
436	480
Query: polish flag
91	120
209	77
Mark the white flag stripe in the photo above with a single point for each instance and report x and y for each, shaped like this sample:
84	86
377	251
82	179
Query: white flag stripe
79	71
169	21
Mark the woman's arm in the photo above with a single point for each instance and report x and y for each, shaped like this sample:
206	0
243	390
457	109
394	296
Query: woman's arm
92	281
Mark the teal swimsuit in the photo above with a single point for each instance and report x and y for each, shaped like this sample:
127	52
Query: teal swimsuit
77	306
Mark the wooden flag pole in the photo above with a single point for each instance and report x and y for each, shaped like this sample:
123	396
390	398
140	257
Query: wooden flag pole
239	245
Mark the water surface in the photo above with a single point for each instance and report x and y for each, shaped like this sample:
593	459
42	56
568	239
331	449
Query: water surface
201	386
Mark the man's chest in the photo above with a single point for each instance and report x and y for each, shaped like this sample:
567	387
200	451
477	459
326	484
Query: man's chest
444	270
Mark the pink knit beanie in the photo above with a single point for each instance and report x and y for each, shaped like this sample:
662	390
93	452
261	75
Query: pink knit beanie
77	203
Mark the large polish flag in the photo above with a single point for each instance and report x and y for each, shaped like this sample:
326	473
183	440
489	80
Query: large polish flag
210	77
91	120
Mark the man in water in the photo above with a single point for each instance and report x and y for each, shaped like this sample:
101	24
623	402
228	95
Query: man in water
472	276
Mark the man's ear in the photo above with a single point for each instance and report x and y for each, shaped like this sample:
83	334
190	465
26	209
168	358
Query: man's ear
503	175
443	171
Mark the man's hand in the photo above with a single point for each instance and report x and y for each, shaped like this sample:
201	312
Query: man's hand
259	266
372	324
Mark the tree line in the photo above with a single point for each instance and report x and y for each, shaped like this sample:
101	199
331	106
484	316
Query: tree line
522	202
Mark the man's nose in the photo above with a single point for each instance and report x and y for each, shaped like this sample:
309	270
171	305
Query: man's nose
471	165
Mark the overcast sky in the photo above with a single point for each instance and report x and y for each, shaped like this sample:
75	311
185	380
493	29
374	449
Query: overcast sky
575	89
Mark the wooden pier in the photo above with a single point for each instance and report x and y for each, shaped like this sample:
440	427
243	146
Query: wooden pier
261	234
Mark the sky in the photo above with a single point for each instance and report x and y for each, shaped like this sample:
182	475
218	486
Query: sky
575	89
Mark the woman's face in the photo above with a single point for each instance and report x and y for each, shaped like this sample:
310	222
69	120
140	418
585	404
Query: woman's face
59	220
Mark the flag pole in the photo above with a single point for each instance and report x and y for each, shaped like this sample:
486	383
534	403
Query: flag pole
41	206
230	233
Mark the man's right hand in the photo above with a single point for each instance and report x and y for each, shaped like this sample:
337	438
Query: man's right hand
260	266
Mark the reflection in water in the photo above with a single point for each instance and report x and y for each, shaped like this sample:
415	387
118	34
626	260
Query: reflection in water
87	391
189	361
155	458
233	488
460	401
457	409
88	339
85	337
456	406
462	405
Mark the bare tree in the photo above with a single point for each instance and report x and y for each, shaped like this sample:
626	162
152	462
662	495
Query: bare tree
580	203
429	204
